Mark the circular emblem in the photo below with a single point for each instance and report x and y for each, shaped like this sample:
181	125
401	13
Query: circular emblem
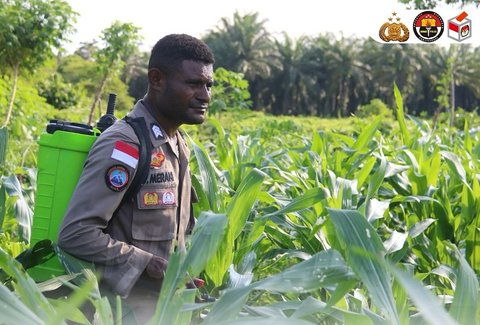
168	198
117	177
428	26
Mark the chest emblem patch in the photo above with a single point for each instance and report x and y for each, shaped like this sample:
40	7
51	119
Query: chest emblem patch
117	177
157	159
168	198
151	199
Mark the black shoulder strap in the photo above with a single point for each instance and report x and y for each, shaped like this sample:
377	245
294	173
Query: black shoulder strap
140	127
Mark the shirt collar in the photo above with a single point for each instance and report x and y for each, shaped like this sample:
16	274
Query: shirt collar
157	134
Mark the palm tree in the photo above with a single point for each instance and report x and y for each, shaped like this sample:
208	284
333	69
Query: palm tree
243	45
457	68
345	77
292	83
405	65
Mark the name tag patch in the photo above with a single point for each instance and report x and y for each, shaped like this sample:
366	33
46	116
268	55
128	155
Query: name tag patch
157	199
160	177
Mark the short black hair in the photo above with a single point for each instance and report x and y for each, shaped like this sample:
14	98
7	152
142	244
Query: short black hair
172	49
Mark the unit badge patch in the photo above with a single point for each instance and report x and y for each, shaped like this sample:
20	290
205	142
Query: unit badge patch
151	199
157	160
117	178
168	198
157	131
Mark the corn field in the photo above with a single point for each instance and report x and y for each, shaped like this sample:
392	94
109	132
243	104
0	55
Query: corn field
372	227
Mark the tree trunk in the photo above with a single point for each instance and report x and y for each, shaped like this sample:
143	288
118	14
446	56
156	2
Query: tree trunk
97	98
12	96
452	101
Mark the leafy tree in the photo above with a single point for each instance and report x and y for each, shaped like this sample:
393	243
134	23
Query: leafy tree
135	74
120	41
86	50
230	92
29	32
58	93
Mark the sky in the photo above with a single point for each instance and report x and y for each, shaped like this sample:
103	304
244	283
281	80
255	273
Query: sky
360	18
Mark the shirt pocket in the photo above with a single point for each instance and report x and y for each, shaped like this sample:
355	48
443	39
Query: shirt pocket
155	216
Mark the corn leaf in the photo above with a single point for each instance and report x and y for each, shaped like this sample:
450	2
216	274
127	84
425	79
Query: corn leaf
208	176
23	213
304	201
363	250
75	300
14	311
455	165
206	238
25	287
465	300
205	241
237	211
367	134
268	321
400	115
427	304
242	203
323	269
227	306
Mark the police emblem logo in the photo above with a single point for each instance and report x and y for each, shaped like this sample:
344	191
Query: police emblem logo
157	159
151	199
428	26
394	31
117	178
168	198
157	131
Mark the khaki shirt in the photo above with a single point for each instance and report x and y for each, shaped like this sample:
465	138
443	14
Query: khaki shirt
121	236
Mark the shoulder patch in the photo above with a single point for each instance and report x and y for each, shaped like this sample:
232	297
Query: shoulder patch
117	177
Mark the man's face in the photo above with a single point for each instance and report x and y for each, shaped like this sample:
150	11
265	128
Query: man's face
187	93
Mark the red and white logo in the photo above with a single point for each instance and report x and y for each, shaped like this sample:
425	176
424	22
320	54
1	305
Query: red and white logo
125	153
459	27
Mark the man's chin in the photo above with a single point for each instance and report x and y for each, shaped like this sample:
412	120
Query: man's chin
197	119
191	122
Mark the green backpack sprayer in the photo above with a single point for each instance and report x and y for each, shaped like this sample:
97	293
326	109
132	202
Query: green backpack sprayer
63	149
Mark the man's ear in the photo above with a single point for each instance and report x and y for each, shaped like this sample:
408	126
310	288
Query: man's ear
156	78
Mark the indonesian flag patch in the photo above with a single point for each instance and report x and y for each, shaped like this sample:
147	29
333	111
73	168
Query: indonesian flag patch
125	153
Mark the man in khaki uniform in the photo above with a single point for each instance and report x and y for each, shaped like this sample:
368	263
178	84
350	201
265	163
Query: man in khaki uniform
130	240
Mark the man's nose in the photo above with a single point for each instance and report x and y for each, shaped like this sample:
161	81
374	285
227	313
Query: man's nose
204	94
